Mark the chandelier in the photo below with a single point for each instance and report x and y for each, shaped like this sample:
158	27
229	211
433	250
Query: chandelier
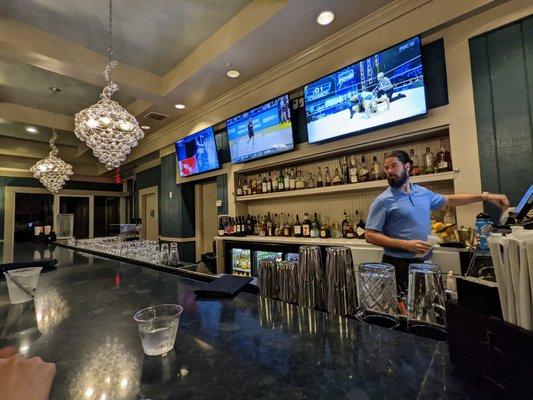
52	171
105	127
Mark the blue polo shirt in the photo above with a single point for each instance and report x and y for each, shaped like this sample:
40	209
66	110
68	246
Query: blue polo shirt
401	215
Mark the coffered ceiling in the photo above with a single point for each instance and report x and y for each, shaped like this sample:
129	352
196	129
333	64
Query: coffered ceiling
169	51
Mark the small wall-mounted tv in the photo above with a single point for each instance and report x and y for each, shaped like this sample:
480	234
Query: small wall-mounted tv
197	153
382	89
263	131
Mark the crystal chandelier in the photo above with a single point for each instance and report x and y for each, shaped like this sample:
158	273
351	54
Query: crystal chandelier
107	128
52	171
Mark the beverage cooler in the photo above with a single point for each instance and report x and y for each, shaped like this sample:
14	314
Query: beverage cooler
243	258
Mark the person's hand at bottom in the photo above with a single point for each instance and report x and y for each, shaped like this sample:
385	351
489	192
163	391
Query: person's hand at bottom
24	379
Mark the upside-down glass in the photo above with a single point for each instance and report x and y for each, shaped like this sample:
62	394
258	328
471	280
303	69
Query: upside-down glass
311	278
158	326
268	281
338	265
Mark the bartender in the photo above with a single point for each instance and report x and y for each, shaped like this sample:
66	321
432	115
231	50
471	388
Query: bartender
399	218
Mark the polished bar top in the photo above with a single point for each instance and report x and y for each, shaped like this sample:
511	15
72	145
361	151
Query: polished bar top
241	348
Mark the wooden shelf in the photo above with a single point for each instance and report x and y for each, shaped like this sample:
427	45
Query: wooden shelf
351	187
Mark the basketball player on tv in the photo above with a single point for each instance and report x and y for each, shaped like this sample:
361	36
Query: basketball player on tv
251	132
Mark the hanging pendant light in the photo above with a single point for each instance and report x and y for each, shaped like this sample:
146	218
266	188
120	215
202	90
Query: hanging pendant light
52	171
105	127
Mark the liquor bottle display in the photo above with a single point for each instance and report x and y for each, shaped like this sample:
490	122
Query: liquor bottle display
375	169
443	160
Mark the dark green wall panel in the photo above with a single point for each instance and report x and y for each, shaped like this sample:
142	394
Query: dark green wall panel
148	178
222	193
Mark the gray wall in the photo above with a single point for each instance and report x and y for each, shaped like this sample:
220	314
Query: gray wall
502	75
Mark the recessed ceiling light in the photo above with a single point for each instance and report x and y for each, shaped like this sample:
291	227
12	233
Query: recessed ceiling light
325	18
233	73
179	106
31	129
145	127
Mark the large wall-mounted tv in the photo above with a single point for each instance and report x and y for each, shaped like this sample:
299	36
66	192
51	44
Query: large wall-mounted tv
382	89
197	153
262	131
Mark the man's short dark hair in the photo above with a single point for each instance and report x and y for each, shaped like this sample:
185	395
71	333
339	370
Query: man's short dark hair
402	156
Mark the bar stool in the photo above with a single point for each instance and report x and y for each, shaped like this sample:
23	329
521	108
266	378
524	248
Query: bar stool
338	266
378	296
426	308
311	278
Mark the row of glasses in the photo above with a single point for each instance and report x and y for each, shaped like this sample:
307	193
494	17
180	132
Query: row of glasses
169	256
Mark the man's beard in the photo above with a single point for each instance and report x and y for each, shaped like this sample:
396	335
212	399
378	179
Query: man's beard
396	181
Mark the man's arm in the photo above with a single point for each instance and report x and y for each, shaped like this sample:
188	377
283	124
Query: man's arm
499	200
382	240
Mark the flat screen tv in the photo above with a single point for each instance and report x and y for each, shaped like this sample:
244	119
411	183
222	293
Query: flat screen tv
197	153
382	89
262	131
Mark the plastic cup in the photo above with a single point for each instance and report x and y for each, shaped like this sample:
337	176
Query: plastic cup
158	326
22	283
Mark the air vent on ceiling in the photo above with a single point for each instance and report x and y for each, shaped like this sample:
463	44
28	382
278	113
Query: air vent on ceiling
156	116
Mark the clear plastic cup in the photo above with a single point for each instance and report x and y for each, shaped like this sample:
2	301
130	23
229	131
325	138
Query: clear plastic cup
158	326
22	283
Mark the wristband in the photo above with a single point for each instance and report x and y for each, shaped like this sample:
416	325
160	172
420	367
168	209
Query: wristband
484	196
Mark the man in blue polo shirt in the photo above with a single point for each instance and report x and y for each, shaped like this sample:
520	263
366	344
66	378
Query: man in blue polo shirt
399	218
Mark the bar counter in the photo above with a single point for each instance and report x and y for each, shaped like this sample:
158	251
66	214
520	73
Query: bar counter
241	348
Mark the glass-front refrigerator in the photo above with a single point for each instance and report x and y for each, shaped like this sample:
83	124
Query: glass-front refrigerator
241	262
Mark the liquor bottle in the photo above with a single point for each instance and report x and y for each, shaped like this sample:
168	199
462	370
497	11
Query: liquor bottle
429	161
336	180
319	179
274	182
237	226
297	228
444	159
277	224
310	181
375	169
363	171
281	181
249	225
292	180
287	229
336	232
328	177
448	217
246	188
243	225
286	180
257	225
345	225
360	231
306	226
220	227
239	188
355	222
264	184
414	158
269	183
324	228
269	225
315	228
353	169
345	171
300	183
263	226
254	185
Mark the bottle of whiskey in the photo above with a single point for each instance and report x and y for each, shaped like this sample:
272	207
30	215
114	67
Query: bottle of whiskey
269	183
239	188
429	161
324	228
306	226
269	225
300	183
292	180
310	181
287	229
264	184
286	180
375	169
363	171
254	185
257	225
336	232
281	181
345	171
315	228
328	177
336	180
444	159
414	158
245	188
360	231
319	179
353	169
297	228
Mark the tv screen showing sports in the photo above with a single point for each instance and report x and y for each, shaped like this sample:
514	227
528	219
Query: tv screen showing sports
197	153
262	131
382	89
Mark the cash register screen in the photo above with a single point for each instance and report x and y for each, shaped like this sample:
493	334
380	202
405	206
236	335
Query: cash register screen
525	203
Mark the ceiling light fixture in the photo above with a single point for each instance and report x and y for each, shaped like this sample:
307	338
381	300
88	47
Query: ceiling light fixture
31	129
180	106
107	128
233	73
52	171
325	18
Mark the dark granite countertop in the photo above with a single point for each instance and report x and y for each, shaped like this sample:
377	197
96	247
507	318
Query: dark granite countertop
242	348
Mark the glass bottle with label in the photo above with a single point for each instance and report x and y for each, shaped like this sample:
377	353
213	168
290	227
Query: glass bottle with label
297	228
443	162
306	226
315	228
257	225
360	231
310	181
300	183
336	180
355	223
429	161
220	227
416	167
375	169
363	171
319	178
328	177
324	228
292	180
273	182
336	232
287	229
281	181
254	185
264	185
239	188
353	169
278	224
287	179
345	171
269	225
246	188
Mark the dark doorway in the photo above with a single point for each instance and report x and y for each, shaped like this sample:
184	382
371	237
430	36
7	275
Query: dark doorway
106	215
32	210
79	206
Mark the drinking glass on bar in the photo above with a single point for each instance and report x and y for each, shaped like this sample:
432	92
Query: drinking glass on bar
158	326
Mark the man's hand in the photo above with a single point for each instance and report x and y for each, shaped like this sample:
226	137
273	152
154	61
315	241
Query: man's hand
25	379
499	200
416	246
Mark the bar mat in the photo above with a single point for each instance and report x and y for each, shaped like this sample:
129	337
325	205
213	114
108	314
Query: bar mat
225	286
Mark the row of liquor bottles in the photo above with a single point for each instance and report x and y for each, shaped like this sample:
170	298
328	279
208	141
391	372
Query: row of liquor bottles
351	227
351	170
